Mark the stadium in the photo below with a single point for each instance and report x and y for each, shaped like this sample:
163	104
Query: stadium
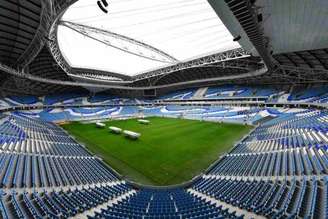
146	109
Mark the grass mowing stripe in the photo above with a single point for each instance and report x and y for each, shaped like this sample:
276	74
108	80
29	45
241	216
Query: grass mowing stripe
169	151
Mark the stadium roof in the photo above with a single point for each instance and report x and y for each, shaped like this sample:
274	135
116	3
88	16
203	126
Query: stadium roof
282	42
181	29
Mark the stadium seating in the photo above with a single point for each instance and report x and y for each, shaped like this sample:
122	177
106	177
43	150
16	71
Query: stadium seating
182	94
271	198
81	64
279	170
238	91
234	114
17	100
59	204
174	203
312	94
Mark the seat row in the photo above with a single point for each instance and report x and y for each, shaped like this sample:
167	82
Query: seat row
273	199
275	145
305	161
46	171
38	138
57	204
33	146
164	204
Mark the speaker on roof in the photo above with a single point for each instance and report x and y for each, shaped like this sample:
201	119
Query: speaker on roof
102	4
237	38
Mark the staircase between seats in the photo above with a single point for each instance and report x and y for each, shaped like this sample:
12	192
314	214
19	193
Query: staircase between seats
200	93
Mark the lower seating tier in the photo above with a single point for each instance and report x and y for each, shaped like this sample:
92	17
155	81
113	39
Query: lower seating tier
19	170
273	199
162	204
58	204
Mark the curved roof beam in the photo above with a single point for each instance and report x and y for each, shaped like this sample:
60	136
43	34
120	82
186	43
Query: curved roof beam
114	40
51	9
198	62
28	76
206	60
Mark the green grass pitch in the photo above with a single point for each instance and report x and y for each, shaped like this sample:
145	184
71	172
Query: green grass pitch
169	151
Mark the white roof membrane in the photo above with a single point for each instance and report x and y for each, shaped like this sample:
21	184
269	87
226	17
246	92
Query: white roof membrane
183	29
